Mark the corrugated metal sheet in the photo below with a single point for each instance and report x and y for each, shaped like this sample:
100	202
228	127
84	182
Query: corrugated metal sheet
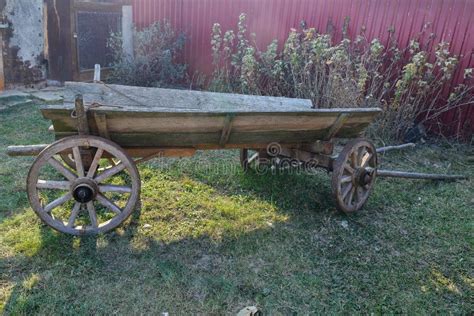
450	20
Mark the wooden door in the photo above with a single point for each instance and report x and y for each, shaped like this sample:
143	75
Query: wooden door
93	23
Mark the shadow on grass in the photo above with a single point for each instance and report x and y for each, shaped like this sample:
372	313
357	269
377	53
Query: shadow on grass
135	252
298	259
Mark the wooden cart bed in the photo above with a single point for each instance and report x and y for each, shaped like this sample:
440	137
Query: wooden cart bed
151	117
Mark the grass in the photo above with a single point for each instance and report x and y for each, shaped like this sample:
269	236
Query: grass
219	241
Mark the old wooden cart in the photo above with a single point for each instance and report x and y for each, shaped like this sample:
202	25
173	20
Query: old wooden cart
87	181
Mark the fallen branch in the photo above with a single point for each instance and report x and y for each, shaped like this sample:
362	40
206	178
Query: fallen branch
417	175
388	148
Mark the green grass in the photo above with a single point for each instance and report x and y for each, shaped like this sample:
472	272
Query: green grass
220	241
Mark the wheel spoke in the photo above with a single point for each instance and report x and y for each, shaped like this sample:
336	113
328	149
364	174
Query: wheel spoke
53	185
74	213
353	159
351	195
348	168
108	204
110	172
114	188
112	162
92	214
59	201
95	163
68	174
346	191
346	179
366	159
360	154
360	194
78	160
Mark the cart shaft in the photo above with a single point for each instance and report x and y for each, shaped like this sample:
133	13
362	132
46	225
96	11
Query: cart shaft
28	150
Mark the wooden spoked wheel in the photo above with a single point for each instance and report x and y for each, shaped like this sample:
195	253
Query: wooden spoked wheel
354	173
83	199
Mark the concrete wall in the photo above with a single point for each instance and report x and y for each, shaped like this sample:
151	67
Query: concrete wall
23	49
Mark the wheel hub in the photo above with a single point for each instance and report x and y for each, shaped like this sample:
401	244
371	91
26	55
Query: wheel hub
84	190
364	176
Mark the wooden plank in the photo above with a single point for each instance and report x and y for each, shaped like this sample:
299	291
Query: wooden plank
213	138
171	100
336	126
195	139
63	110
101	122
316	160
321	147
183	123
160	152
159	124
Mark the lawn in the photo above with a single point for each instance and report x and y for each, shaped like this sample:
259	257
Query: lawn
210	239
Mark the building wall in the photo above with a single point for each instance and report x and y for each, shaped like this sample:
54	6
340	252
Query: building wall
38	43
23	42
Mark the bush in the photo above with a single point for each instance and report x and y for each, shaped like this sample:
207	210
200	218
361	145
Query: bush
154	63
356	73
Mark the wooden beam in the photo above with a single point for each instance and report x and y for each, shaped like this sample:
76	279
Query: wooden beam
336	126
226	130
34	150
101	122
81	116
28	150
318	147
314	160
420	176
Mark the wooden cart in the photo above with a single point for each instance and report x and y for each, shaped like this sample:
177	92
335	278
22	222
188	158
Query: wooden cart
87	181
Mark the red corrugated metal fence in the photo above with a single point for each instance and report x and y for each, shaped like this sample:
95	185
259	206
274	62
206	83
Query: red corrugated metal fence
450	20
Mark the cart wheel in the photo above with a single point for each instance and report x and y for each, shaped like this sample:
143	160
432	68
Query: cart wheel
81	201
354	173
246	161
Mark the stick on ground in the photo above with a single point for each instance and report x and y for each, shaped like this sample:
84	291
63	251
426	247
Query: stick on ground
417	175
388	148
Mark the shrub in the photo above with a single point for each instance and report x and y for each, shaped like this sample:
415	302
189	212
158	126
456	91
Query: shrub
154	63
348	73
